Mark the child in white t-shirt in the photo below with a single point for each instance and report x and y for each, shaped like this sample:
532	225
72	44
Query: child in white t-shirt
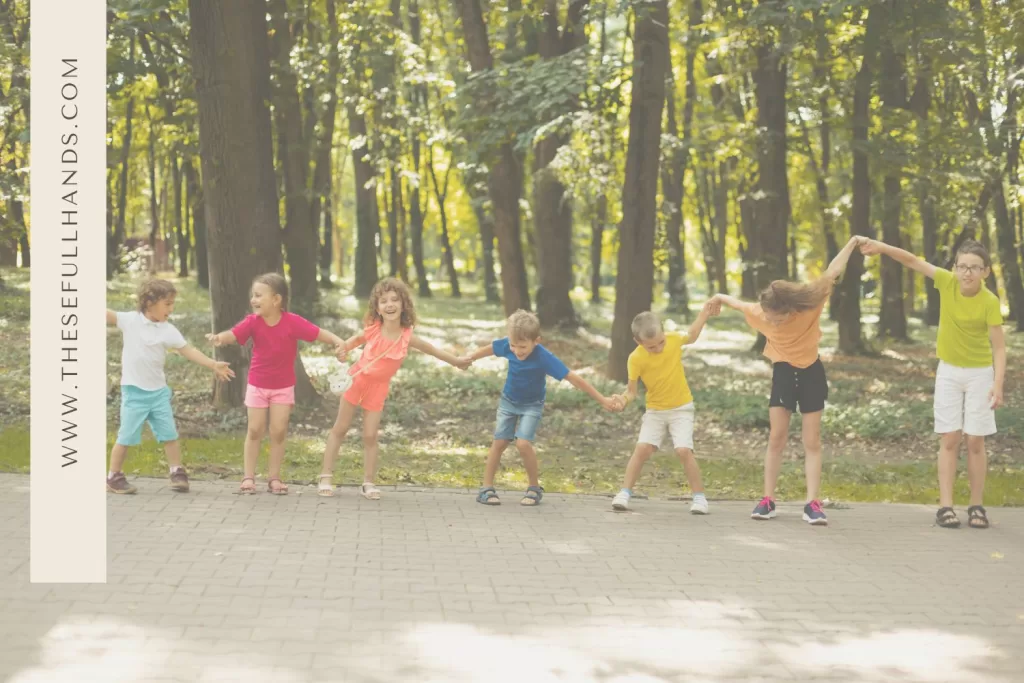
145	396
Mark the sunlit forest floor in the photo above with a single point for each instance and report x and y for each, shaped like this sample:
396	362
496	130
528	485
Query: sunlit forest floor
438	422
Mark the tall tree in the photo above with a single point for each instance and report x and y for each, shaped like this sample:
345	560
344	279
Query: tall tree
505	182
228	41
634	281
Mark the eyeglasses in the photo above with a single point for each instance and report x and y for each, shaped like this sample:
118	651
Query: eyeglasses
973	270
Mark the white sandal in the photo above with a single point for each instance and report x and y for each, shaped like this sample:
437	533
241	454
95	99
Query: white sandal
325	489
369	491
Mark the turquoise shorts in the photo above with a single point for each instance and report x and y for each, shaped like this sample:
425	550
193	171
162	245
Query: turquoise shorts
139	406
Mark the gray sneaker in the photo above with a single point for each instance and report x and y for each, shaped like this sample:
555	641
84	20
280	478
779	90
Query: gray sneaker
118	483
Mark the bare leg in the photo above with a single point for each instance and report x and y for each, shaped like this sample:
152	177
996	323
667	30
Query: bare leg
641	454
279	414
529	456
977	467
949	450
812	454
172	449
371	425
778	417
117	455
253	439
498	447
691	468
335	437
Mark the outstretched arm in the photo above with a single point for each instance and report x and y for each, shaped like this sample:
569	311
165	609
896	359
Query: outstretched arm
482	352
612	404
328	337
734	303
838	265
429	349
111	317
226	338
220	368
872	247
630	394
711	307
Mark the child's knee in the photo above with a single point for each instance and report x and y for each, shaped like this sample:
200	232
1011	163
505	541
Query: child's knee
975	445
524	445
812	442
643	452
255	433
370	440
277	436
777	439
686	454
950	441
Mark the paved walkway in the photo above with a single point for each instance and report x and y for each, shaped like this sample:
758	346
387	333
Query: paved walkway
429	586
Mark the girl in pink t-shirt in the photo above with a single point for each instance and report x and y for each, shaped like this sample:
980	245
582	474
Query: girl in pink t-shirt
275	334
387	337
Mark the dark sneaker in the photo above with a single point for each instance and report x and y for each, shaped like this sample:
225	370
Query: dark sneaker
119	484
813	514
764	510
179	480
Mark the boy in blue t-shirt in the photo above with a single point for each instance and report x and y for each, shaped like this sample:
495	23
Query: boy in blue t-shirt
522	399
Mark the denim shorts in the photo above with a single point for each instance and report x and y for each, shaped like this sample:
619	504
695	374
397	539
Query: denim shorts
517	420
139	406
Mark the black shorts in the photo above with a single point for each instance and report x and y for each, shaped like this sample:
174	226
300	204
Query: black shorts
807	387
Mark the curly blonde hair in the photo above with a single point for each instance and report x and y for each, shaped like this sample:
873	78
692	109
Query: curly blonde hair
390	284
783	297
152	291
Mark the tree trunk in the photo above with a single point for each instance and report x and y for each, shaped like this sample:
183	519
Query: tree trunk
231	63
823	77
195	194
505	182
117	239
154	209
180	228
597	247
485	223
300	237
322	185
920	104
441	194
416	224
635	274
892	320
850	335
366	207
1008	255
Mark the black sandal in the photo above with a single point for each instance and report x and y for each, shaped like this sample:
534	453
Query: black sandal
976	517
946	517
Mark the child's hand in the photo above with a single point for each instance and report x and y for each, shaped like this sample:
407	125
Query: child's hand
340	352
464	362
995	397
712	306
215	338
870	247
223	371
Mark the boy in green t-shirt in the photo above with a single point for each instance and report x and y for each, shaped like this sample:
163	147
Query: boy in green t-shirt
657	361
972	362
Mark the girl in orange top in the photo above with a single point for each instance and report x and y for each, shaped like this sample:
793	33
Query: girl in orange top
387	336
787	315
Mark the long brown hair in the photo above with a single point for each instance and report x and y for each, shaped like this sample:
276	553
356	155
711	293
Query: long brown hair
278	285
390	284
783	297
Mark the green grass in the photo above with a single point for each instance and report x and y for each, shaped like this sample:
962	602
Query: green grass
877	429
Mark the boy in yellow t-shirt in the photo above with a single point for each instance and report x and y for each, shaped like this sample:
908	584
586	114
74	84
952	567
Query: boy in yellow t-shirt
657	361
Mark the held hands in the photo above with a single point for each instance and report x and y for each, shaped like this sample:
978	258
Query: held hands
870	247
613	404
215	338
223	371
340	352
463	362
712	306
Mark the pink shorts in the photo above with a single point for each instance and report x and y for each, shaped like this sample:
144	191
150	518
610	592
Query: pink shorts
369	393
255	397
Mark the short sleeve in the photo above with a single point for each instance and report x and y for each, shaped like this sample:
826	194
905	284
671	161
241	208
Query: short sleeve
993	316
303	329
243	330
943	278
633	368
755	318
680	338
501	347
174	339
123	318
553	366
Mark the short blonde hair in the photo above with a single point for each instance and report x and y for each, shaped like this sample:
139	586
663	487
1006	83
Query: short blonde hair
646	325
523	326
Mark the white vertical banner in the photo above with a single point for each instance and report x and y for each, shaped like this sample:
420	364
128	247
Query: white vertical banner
68	354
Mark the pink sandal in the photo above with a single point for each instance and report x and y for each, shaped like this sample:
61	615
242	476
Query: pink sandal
280	491
249	490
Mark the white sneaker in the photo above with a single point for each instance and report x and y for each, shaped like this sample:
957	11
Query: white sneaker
699	507
620	501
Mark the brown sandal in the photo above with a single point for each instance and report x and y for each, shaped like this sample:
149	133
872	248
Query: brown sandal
244	490
280	491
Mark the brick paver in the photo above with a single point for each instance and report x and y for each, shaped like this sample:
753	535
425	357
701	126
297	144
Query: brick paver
429	586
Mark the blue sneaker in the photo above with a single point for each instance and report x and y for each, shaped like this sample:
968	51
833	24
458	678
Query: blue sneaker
764	510
813	514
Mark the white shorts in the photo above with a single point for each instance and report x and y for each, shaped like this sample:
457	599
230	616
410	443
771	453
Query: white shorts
676	421
962	402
